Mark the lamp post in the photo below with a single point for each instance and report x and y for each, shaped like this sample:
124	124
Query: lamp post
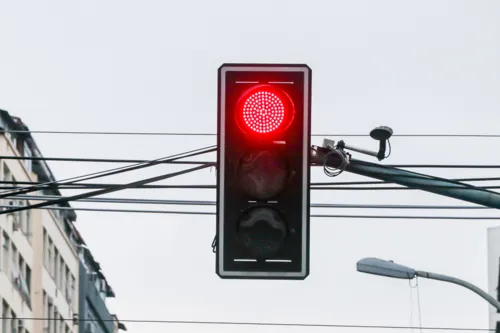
387	268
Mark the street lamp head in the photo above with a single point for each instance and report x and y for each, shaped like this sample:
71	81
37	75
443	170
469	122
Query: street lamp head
385	268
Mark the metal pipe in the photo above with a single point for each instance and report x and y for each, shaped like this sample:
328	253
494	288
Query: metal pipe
361	150
462	283
423	182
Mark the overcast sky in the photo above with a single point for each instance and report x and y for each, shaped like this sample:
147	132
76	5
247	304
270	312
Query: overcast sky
151	66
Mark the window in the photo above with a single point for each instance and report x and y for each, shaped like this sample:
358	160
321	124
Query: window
102	289
61	324
15	268
57	215
49	315
13	321
72	290
5	250
56	322
97	282
5	315
9	134
45	311
28	223
60	274
20	326
27	153
28	277
14	140
56	267
66	293
20	215
20	265
50	254
73	241
7	176
20	146
45	249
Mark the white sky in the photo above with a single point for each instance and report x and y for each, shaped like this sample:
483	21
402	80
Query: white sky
151	66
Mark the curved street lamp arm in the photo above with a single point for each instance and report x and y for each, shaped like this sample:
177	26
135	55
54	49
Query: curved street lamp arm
462	283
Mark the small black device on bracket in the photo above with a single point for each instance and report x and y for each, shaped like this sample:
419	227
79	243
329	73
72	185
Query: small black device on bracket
382	134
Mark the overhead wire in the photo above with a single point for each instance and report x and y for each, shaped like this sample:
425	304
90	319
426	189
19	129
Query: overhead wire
394	188
376	182
15	208
278	324
95	160
109	172
458	135
85	186
122	160
213	203
444	166
105	191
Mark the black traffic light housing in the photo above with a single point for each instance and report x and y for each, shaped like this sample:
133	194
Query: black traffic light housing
263	171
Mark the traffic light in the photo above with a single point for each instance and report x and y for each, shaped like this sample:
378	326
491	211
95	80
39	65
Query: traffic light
263	171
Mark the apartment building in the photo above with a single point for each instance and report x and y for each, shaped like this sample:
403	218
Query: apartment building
43	258
92	297
493	244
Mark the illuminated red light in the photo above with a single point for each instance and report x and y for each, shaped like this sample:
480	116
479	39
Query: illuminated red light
263	112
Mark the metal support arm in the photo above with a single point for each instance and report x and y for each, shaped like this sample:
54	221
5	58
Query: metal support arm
410	179
462	283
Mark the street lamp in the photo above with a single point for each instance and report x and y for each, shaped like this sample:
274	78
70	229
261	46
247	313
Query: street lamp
387	268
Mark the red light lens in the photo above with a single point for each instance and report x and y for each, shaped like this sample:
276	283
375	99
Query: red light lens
263	112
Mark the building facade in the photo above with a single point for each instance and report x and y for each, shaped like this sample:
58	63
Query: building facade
494	275
93	293
17	254
44	261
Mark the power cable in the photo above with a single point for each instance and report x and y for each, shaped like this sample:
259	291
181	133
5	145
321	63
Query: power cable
376	182
121	160
213	187
443	166
235	323
146	211
100	185
392	188
85	186
109	172
214	134
105	191
419	306
95	160
213	203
